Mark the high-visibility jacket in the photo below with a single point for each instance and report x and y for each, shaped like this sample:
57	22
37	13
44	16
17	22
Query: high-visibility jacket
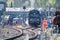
44	24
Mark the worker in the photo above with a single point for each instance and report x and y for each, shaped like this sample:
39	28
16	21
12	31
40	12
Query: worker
44	23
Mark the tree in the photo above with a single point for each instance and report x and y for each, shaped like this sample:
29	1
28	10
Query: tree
40	3
26	3
10	3
57	4
52	2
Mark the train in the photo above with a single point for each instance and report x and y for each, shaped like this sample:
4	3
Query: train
34	18
56	20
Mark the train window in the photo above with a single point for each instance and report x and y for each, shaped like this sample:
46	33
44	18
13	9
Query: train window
35	15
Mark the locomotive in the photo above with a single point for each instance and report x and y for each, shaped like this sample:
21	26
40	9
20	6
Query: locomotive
56	20
34	18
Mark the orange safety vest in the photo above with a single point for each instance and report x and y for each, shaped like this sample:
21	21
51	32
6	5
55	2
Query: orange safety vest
44	24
